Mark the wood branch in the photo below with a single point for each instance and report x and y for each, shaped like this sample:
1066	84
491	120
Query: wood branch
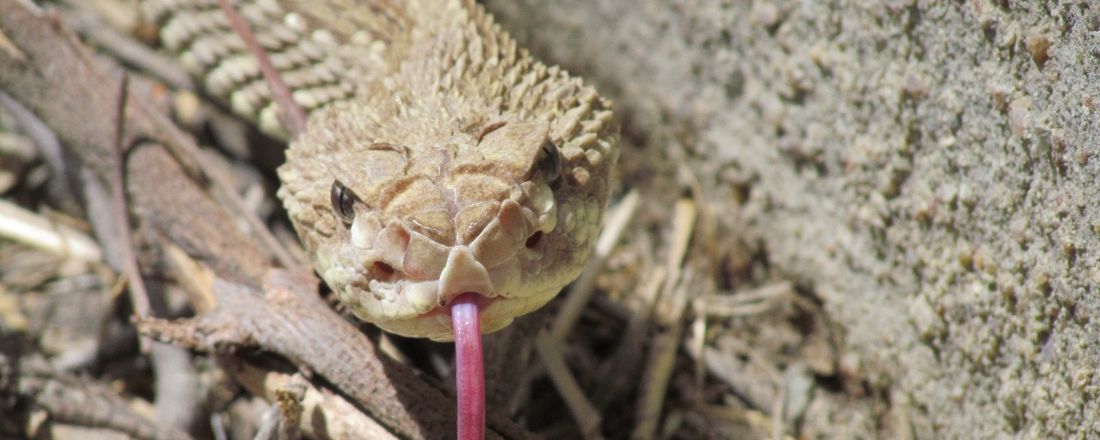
326	415
294	322
49	72
75	400
54	77
19	225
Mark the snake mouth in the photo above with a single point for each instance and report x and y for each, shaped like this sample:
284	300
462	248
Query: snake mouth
490	315
482	300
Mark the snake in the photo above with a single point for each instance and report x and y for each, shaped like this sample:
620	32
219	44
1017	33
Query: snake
439	159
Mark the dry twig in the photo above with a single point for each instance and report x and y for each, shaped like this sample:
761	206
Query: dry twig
662	354
70	399
587	417
26	227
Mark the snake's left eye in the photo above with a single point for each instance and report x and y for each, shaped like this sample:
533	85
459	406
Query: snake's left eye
549	163
343	202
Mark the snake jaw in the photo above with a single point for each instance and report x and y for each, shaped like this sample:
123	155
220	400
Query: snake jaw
423	276
423	296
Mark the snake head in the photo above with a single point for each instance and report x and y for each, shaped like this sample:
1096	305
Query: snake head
400	222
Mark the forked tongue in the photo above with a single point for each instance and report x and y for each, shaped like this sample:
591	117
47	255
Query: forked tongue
469	367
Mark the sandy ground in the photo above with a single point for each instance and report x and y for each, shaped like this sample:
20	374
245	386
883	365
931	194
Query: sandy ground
926	170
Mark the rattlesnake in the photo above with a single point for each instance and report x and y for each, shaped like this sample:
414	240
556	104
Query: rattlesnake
438	159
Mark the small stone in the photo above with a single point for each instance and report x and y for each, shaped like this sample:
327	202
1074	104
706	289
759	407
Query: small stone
1090	104
1082	378
915	86
1039	46
928	323
1019	115
966	257
765	14
1000	93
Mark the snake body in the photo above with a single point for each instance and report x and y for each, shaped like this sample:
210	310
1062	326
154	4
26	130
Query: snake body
438	159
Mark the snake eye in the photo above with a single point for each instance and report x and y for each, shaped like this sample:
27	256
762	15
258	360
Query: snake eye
343	202
549	162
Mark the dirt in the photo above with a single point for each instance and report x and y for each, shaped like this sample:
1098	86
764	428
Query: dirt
925	170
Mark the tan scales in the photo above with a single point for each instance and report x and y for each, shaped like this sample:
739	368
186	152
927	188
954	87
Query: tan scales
463	163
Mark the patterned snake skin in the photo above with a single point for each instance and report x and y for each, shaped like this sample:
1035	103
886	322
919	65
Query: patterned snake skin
439	158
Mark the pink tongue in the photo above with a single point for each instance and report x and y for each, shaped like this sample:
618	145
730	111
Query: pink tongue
470	370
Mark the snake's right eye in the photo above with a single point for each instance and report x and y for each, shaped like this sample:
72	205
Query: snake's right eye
549	162
343	202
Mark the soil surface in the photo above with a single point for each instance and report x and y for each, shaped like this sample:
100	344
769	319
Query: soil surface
926	170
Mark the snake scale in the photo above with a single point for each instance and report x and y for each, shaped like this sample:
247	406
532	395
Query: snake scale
438	159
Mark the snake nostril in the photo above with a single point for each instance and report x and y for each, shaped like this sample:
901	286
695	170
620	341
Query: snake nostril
382	270
534	240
